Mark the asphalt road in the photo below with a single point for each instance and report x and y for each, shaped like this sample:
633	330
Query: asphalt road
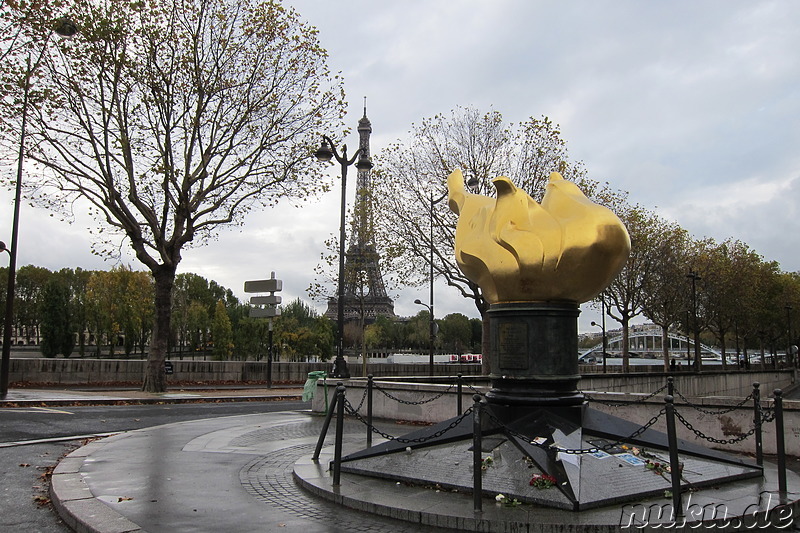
24	504
31	423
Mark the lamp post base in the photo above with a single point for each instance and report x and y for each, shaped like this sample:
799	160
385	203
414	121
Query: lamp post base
340	369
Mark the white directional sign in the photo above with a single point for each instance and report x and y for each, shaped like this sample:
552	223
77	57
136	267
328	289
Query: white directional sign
263	285
273	299
264	312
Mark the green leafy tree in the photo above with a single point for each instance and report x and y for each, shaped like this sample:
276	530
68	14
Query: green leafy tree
718	290
373	336
477	332
57	331
386	333
175	117
77	281
301	332
28	297
418	330
626	296
102	299
222	333
665	295
251	337
455	332
119	306
197	324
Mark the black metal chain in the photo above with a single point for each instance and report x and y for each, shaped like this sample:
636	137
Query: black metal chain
363	397
721	411
640	400
703	436
406	402
606	447
767	414
473	389
349	408
579	451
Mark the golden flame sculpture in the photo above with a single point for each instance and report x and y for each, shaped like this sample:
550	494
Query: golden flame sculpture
567	248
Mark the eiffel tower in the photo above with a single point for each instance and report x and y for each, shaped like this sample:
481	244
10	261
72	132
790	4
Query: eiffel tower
364	290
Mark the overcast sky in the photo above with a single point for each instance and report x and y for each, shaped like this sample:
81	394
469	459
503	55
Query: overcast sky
693	107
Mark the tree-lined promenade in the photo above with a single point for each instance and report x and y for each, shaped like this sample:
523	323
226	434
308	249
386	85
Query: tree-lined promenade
82	313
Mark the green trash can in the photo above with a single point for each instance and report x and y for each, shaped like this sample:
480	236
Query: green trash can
310	386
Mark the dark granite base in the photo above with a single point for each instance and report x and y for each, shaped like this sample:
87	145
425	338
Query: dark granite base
524	442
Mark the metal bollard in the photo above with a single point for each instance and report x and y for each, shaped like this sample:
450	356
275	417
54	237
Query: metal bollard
477	460
324	432
337	446
369	411
674	461
671	386
757	423
460	382
779	441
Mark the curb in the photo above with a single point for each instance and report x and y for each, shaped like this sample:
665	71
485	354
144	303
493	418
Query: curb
147	401
74	501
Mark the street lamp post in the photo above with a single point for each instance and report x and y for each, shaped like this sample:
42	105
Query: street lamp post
430	278
431	334
603	329
694	277
789	355
66	28
326	152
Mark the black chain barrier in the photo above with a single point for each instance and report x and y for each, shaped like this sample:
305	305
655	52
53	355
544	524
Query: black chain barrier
640	400
473	389
354	413
407	402
703	436
363	397
580	451
721	411
767	414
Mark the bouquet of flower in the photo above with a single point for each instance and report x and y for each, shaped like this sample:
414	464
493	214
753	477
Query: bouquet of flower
543	481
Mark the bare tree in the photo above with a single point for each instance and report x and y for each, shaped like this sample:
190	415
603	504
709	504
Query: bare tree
412	175
172	118
411	183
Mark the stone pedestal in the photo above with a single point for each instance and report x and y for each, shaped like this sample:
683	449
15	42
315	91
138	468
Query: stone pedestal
533	354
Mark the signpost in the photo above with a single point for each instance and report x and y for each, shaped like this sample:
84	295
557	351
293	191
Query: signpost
270	309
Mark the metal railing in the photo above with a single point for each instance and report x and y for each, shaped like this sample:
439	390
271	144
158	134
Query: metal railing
671	411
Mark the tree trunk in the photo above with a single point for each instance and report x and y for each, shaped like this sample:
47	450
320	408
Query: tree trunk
626	357
665	346
155	379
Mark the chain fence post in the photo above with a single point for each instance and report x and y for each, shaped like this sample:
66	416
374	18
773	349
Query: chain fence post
671	386
460	382
324	432
757	423
779	442
674	460
477	460
369	411
337	447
